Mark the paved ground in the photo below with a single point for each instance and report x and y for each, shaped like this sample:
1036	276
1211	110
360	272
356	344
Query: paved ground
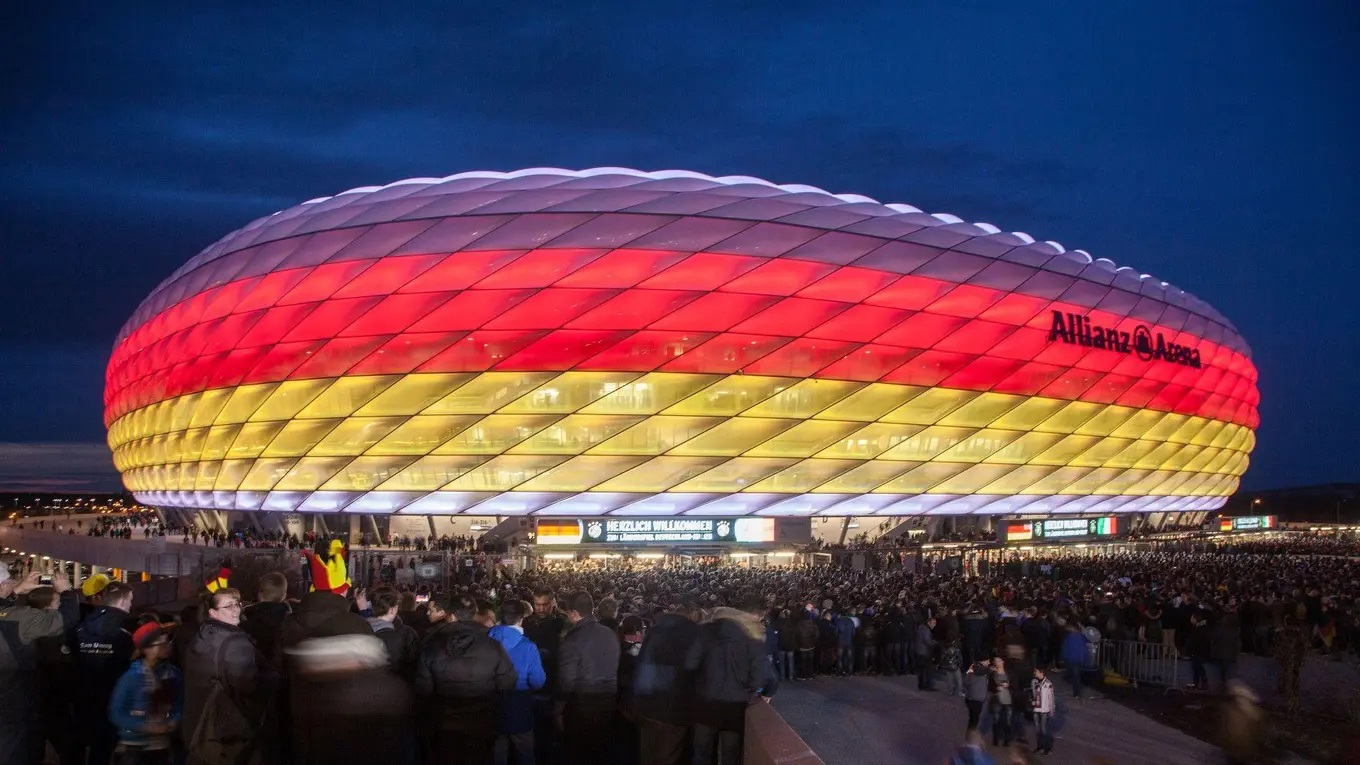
886	721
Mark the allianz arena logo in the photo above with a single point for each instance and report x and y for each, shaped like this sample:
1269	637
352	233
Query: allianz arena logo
1075	329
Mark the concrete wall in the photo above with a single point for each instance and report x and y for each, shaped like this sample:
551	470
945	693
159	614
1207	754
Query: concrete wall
159	557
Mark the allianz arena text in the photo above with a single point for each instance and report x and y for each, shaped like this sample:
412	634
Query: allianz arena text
613	342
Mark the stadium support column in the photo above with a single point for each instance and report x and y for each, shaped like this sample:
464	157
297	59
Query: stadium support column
845	529
433	531
373	523
355	529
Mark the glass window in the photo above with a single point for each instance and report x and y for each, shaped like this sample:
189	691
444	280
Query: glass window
1059	479
921	479
865	478
366	473
983	410
580	473
871	440
575	434
1069	418
734	475
1139	424
804	399
231	474
355	436
346	395
488	392
1106	421
1024	448
733	436
219	440
1066	450
496	433
207	475
1201	459
803	476
183	411
430	473
650	394
931	406
927	444
656	435
412	394
1029	414
972	480
1101	452
1209	433
192	442
289	398
503	473
262	476
1186	433
804	439
243	403
299	436
979	446
569	392
310	473
871	403
209	404
659	474
1157	458
253	439
423	433
1090	483
1132	454
731	395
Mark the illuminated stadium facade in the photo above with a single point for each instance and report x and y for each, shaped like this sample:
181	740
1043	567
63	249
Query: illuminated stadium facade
613	342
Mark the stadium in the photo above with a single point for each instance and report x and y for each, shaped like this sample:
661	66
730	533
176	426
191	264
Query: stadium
609	342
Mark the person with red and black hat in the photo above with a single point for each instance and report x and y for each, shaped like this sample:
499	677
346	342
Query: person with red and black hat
148	700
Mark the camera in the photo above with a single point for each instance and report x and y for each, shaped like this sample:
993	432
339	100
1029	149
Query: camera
45	580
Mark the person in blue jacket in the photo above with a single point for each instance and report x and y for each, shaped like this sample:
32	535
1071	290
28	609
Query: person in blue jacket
515	718
148	700
1073	655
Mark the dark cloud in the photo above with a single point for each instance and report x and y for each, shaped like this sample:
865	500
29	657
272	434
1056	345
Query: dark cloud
1213	150
57	467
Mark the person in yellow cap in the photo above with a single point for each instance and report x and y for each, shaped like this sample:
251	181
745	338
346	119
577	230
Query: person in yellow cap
94	585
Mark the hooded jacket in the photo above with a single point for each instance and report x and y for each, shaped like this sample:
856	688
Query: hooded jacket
588	661
516	714
321	614
222	655
402	644
461	673
732	668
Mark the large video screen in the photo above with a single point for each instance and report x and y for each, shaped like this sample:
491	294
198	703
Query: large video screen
1247	523
654	531
1061	529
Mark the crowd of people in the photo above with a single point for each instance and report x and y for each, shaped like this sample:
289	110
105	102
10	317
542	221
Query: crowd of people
620	662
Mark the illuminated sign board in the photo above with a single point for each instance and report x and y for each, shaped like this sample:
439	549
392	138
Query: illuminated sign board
1061	529
654	531
1247	523
1075	329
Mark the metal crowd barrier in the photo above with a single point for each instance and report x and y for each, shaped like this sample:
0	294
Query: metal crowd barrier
1138	662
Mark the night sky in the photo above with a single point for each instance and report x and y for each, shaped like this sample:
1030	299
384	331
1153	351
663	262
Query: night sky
1212	146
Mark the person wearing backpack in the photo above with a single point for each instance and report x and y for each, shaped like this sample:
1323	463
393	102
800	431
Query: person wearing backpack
224	687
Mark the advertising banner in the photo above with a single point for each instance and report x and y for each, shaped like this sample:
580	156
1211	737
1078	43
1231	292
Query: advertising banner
1061	529
654	531
1247	523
